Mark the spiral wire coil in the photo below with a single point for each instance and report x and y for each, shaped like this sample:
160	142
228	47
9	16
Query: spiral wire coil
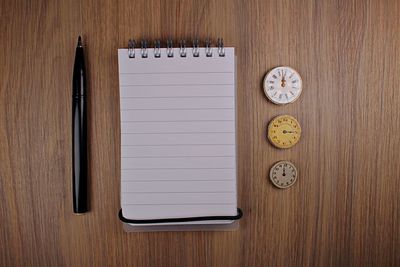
144	50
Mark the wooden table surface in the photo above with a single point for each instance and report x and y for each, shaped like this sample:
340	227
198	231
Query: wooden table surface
343	211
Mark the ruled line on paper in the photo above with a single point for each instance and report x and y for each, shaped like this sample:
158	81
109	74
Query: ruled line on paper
175	85
186	192
177	204
178	121
177	157
183	145
122	109
174	132
192	96
177	145
175	72
206	168
163	133
174	180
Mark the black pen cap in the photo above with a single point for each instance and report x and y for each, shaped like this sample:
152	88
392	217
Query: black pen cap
79	77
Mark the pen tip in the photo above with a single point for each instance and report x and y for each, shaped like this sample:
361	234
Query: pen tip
79	41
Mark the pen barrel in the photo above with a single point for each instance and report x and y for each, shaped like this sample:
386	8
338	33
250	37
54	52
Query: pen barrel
79	154
79	135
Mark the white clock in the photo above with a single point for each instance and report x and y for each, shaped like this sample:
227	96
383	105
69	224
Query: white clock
282	85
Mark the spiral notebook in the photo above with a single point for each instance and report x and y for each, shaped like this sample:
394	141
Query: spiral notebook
178	135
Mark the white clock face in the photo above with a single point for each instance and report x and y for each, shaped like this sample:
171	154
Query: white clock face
282	85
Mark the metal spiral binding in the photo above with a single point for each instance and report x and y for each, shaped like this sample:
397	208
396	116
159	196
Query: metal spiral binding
157	48
221	49
144	49
196	50
182	49
131	48
208	48
170	51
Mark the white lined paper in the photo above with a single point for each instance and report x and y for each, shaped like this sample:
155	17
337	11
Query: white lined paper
178	115
176	78
178	103
178	145
177	90
178	139
177	174
178	151
179	127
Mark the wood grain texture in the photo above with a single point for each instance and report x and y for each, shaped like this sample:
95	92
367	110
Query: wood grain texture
343	211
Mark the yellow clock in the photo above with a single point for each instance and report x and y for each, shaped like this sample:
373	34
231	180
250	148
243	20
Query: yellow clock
284	131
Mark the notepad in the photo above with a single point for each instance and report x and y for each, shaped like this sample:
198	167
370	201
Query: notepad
178	134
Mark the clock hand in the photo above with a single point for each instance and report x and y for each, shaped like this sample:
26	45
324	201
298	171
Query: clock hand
283	82
284	131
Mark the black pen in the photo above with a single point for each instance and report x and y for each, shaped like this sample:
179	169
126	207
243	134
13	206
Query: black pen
79	133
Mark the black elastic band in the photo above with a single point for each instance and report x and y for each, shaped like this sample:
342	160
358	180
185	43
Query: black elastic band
186	219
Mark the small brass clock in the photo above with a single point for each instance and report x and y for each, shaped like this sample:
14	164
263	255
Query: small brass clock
282	85
284	131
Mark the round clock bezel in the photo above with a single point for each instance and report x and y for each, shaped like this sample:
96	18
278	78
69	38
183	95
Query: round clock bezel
283	162
266	87
270	137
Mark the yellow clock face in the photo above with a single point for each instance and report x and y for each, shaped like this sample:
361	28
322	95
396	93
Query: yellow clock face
284	131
